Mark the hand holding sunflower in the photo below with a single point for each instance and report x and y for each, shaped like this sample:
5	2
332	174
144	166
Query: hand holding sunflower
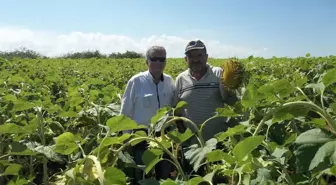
234	75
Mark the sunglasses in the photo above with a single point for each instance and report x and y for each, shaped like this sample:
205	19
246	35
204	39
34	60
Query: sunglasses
155	59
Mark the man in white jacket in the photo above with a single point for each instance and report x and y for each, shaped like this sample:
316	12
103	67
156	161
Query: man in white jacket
145	93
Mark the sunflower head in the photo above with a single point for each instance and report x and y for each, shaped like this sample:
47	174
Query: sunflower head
233	75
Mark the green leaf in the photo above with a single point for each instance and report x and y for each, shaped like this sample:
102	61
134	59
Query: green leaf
114	176
47	151
21	105
12	169
304	154
10	128
121	123
329	78
282	87
263	176
245	147
197	154
308	143
328	150
150	158
319	122
160	118
181	104
226	112
10	97
70	114
238	129
314	136
250	97
169	182
280	154
195	181
67	143
219	155
160	114
319	87
288	113
178	137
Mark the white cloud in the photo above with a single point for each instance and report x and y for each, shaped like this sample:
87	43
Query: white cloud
54	44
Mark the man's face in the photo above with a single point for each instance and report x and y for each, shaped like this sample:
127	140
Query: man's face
196	60
157	62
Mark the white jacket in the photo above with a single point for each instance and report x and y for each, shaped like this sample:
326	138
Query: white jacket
142	97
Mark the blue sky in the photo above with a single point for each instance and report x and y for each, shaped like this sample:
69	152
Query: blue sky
279	28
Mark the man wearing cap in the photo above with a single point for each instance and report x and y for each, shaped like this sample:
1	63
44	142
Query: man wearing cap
200	87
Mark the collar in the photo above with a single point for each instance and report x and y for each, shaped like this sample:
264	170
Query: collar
149	75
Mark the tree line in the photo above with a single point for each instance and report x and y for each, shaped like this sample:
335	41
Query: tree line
31	54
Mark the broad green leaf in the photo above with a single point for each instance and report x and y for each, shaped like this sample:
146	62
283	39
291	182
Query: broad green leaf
19	182
333	170
219	155
127	159
10	128
21	105
282	87
226	112
329	78
178	137
161	114
263	175
67	143
70	114
314	136
160	118
10	97
121	123
110	141
333	107
328	151
181	104
250	97
318	88
114	176
304	154
195	181
47	151
197	154
237	130
246	146
150	158
288	113
12	169
319	122
280	154
169	182
32	126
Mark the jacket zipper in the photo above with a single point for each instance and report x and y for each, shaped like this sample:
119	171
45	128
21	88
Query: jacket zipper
157	95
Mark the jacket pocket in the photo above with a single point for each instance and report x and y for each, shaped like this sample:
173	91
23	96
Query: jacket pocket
147	100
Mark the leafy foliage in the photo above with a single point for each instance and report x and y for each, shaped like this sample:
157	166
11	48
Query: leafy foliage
60	123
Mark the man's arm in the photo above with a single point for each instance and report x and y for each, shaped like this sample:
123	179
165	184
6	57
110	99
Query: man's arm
127	102
228	97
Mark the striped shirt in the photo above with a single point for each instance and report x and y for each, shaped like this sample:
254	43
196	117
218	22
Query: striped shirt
203	97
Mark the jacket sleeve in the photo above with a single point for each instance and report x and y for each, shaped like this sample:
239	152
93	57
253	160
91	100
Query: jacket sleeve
127	102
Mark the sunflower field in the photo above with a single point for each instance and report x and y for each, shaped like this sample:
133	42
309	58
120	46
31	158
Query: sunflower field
60	124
